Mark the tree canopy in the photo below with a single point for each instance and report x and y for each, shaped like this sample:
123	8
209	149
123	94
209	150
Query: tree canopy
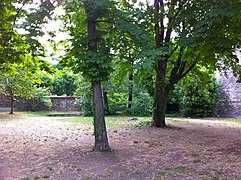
184	34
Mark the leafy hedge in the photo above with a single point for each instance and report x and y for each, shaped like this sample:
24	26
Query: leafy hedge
196	98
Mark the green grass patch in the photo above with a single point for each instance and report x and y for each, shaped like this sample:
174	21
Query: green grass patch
45	113
180	168
170	170
236	121
124	121
76	119
229	120
161	173
111	121
143	124
45	177
25	178
214	119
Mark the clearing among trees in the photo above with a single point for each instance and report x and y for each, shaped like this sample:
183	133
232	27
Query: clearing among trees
38	147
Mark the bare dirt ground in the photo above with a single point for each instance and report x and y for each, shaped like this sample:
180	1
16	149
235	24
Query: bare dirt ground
45	148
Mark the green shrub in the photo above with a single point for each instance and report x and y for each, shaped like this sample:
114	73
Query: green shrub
142	105
63	84
86	104
117	102
197	99
143	124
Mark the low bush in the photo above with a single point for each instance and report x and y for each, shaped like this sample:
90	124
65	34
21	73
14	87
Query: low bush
142	105
85	102
197	99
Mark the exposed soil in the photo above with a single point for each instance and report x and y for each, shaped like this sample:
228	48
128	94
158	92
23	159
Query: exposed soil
44	148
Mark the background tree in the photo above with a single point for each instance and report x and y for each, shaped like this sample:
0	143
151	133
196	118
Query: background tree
182	40
16	18
18	83
90	54
63	83
12	44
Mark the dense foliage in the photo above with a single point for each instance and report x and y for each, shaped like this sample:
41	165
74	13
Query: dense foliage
196	98
63	84
142	105
12	44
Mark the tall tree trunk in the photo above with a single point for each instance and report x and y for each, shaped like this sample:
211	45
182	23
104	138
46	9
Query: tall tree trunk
160	102
12	103
160	98
106	102
101	139
130	93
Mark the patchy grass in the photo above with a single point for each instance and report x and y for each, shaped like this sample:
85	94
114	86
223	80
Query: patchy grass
235	120
45	113
143	124
178	122
161	174
111	121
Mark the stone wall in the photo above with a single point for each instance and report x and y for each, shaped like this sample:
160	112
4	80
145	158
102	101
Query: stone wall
4	101
20	104
59	103
64	103
229	96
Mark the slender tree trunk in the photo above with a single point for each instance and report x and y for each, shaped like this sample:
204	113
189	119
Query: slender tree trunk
101	139
12	103
130	93
106	102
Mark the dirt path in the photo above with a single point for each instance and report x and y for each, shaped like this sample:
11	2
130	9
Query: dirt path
44	148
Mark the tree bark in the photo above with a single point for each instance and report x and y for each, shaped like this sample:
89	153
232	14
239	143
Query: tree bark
101	139
160	98
12	103
106	103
